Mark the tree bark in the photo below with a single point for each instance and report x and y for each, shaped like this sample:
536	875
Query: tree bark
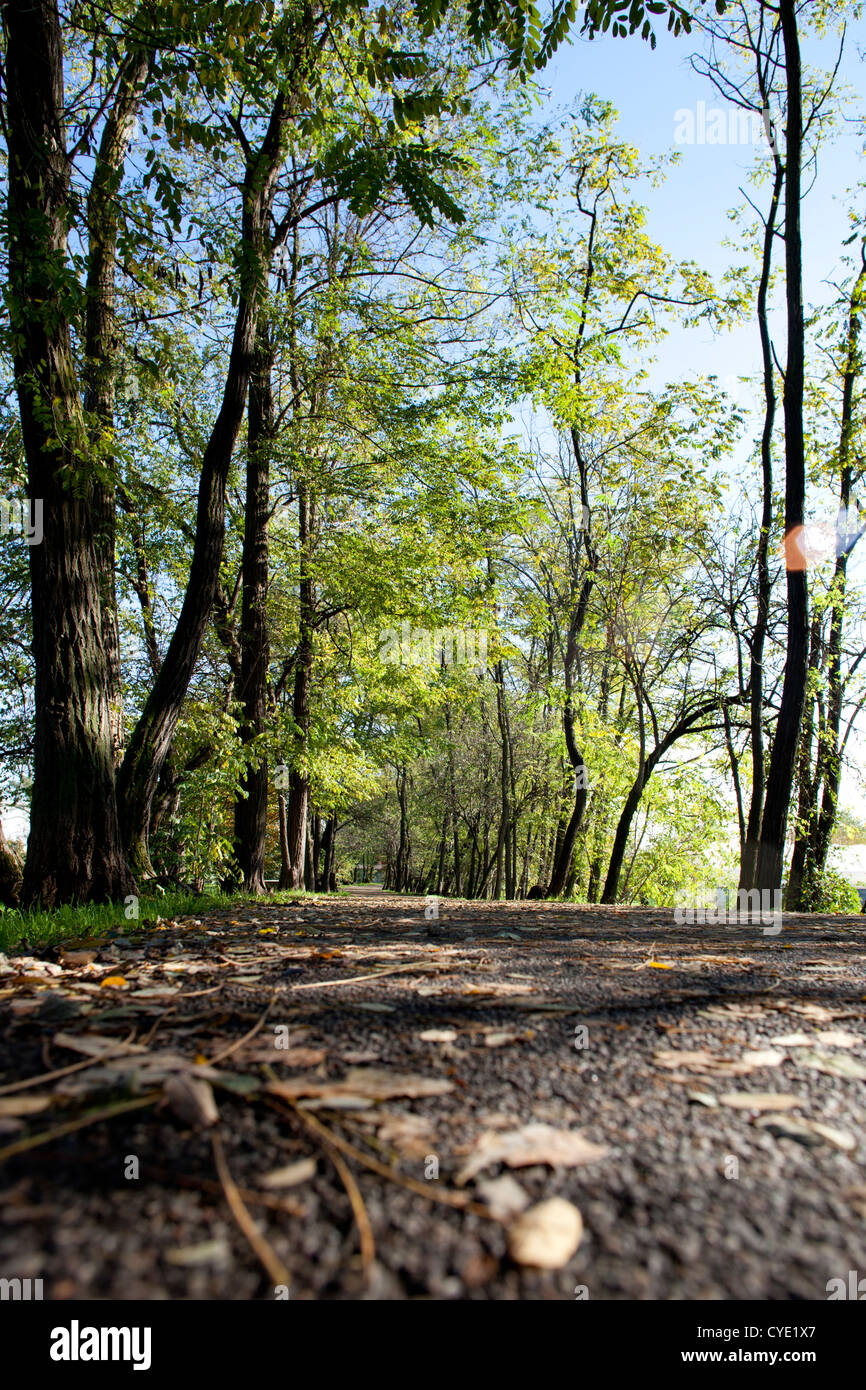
749	853
74	849
780	777
251	692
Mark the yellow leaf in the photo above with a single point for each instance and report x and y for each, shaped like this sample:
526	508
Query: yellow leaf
114	982
659	965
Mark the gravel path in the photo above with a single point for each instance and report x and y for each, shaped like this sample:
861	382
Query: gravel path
715	1077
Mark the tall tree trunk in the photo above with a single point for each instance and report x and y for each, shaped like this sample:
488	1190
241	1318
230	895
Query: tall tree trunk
565	845
780	777
816	823
299	778
749	853
74	849
452	794
251	692
285	880
153	735
330	839
829	752
797	891
401	874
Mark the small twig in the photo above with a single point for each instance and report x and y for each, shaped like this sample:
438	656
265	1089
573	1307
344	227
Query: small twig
273	1265
61	1071
161	1017
236	1046
287	1205
417	968
434	1194
35	1141
359	1211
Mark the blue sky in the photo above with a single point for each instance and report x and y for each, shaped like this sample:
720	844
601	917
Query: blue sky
688	214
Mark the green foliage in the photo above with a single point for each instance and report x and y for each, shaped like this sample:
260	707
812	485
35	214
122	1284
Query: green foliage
833	893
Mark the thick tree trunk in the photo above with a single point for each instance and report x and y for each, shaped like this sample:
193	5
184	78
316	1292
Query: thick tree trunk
401	871
565	843
780	777
797	892
330	841
251	692
74	849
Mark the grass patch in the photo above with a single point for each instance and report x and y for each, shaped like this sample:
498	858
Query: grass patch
95	919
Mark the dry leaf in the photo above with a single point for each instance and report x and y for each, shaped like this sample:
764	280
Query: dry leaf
503	1196
291	1175
70	959
760	1100
856	1196
833	1064
808	1132
23	1105
370	1083
546	1236
520	1148
191	1099
410	1135
114	982
837	1037
209	1252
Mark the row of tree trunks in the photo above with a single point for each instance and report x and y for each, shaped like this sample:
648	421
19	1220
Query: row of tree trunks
89	820
152	739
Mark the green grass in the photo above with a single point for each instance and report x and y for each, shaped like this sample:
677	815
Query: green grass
95	919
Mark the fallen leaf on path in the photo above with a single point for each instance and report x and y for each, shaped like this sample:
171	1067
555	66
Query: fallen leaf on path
209	1252
833	1064
521	1148
71	959
23	1105
368	1082
856	1196
192	1100
808	1132
837	1037
703	1098
547	1235
290	1175
760	1100
410	1135
701	1060
504	1196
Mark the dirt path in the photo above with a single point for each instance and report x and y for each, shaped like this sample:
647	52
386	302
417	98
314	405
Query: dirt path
714	1076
